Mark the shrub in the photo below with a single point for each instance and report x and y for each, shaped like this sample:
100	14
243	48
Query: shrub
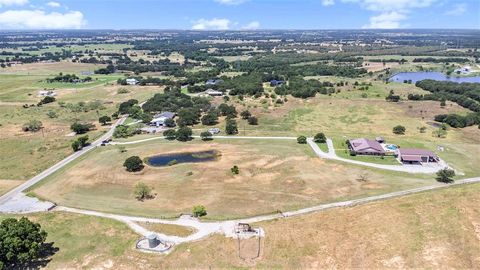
252	120
235	170
122	91
52	114
46	100
33	126
399	130
445	176
21	242
302	140
133	164
320	138
142	191
206	136
245	114
199	211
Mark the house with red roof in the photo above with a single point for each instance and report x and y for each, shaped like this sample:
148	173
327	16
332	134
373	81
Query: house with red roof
365	146
416	156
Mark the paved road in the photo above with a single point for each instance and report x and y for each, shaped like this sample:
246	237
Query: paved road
204	229
425	168
16	191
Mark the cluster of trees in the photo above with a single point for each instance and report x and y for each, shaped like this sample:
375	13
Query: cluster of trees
441	60
459	121
392	97
106	70
246	84
173	100
466	95
300	88
182	134
68	78
82	106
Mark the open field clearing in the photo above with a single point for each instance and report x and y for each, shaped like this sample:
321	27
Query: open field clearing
50	68
438	228
274	175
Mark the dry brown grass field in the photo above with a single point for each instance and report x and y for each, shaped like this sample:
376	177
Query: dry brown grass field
438	229
274	175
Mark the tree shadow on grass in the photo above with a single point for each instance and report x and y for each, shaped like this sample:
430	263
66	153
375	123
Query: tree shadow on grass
45	256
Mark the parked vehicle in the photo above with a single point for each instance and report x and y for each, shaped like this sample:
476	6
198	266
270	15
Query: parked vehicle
214	131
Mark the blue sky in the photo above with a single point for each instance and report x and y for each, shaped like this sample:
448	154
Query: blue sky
238	14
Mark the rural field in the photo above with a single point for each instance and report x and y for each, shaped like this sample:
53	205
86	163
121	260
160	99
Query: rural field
433	229
147	149
274	175
25	154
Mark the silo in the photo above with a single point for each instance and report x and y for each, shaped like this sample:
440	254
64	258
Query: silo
152	240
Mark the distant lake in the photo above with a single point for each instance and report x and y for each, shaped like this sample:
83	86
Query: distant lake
437	76
178	158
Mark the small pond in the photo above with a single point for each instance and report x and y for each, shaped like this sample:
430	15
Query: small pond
428	75
178	158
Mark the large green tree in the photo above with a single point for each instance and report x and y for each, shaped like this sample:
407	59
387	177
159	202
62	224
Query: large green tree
21	241
133	164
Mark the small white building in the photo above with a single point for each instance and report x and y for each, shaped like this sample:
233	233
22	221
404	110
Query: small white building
160	119
132	81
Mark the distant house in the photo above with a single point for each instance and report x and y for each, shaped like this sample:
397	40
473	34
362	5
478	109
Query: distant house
132	81
213	82
274	83
463	70
45	93
214	93
416	156
159	119
364	146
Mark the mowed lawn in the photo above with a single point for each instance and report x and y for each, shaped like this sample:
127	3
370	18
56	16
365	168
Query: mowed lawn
433	229
274	176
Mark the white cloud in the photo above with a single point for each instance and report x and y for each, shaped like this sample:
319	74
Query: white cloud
328	2
390	12
458	10
231	2
251	26
213	24
13	2
392	5
53	4
387	20
39	19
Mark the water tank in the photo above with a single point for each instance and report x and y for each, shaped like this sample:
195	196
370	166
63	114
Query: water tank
152	240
